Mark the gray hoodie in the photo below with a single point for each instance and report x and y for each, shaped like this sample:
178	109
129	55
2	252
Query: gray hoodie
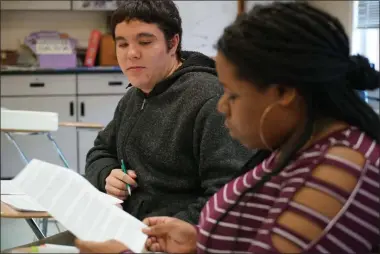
174	139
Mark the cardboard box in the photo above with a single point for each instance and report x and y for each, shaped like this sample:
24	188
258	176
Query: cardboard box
9	57
107	51
54	50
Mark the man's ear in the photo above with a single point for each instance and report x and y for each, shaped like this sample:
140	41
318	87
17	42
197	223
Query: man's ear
173	44
286	95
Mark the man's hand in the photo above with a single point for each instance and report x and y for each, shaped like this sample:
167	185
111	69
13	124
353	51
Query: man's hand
170	235
116	183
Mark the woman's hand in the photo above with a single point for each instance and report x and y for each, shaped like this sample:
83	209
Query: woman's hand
111	246
170	235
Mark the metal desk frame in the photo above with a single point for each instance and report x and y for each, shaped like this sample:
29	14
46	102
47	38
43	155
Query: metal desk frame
41	234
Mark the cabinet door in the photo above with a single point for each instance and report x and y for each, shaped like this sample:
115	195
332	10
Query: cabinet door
28	85
102	84
35	5
39	146
94	109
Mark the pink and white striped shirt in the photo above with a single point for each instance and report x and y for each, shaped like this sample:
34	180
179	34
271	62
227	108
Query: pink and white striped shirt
249	226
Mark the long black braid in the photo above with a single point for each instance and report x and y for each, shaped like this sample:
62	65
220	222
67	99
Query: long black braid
297	45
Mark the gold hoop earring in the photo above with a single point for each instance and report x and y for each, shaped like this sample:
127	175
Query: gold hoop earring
262	119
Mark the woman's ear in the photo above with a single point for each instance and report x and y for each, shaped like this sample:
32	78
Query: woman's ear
286	95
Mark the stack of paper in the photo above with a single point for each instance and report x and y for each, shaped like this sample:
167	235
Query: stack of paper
78	205
26	120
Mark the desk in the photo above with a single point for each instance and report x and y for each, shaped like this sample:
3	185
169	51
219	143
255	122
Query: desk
8	211
77	125
80	125
64	238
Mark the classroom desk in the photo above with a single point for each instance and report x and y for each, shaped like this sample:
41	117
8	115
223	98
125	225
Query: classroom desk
8	212
81	125
77	125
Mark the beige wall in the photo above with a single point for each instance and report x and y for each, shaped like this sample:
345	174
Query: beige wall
343	10
16	25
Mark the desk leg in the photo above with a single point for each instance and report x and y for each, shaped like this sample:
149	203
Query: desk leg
23	156
60	154
63	159
31	222
35	228
45	226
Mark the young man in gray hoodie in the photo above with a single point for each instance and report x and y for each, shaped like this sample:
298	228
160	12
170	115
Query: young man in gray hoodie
166	128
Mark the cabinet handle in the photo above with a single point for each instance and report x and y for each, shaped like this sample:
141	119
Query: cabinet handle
82	109
37	84
71	108
115	83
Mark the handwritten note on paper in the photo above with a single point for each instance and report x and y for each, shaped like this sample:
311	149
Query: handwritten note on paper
78	205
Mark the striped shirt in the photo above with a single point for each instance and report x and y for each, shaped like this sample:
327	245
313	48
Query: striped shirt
249	226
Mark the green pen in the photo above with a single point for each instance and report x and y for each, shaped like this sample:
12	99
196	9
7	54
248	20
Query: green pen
125	171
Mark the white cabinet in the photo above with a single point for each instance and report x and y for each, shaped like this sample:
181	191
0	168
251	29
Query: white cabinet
35	5
38	85
98	96
94	109
39	146
90	98
53	93
97	84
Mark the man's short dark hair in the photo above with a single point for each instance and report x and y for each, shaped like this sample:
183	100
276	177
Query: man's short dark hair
163	13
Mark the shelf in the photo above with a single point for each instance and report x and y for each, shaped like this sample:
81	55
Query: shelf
35	5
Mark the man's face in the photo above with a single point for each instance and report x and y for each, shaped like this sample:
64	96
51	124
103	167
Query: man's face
142	53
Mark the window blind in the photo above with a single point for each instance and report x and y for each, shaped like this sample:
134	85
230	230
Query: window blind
368	14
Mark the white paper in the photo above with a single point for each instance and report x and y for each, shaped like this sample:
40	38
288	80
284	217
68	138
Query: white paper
78	205
22	203
27	204
8	188
112	200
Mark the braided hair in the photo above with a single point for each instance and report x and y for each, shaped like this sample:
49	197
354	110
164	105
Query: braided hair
296	45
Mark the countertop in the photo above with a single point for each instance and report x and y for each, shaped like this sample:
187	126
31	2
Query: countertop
78	70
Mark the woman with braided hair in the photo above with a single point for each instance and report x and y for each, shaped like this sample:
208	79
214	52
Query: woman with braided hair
289	90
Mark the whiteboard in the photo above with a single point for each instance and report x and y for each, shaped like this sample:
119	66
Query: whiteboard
250	3
203	23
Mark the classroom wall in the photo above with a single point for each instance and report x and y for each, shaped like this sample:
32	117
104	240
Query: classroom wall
343	10
16	25
200	29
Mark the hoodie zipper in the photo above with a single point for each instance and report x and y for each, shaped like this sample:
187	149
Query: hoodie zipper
126	137
143	104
